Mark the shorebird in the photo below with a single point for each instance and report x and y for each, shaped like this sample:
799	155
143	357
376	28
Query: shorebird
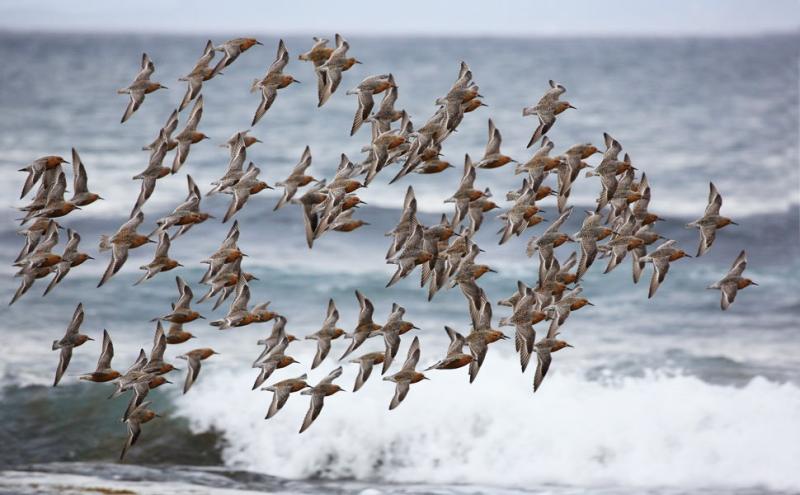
226	281
54	205
276	337
39	229
455	357
177	335
181	311
297	178
492	157
391	331
194	357
72	338
155	170
465	193
141	86
238	315
228	252
329	73
165	134
648	236
371	85
386	114
643	216
231	50
406	376
412	255
550	239
365	364
591	231
319	52
733	281
235	169
120	243
134	379
544	350
364	327
272	81
155	363
247	185
318	392
521	215
135	419
525	311
546	109
185	215
161	260
560	310
200	73
710	221
661	258
282	390
70	258
623	240
103	372
37	169
408	218
477	208
482	333
189	135
273	360
80	194
29	276
569	170
608	169
324	335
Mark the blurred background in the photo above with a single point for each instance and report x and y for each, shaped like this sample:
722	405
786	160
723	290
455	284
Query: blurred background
668	395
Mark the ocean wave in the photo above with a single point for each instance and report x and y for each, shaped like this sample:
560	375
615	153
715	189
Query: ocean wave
658	430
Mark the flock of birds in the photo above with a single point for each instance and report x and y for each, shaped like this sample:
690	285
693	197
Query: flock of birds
445	252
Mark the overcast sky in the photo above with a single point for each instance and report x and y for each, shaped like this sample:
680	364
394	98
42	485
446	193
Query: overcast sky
413	17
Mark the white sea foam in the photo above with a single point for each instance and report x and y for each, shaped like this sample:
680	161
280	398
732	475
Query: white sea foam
655	431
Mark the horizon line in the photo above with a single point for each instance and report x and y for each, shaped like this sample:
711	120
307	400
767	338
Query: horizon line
412	34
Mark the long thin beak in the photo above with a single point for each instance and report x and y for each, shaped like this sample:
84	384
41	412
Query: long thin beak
201	317
753	283
259	43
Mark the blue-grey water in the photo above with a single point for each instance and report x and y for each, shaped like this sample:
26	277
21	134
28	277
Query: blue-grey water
663	396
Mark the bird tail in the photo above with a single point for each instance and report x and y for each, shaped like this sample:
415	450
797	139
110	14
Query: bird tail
105	243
